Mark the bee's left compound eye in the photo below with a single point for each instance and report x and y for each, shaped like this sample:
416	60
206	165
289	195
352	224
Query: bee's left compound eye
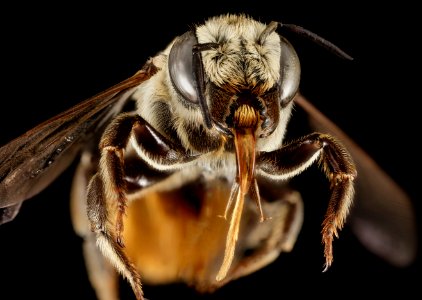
180	66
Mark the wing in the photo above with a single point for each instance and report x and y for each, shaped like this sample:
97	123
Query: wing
382	217
29	163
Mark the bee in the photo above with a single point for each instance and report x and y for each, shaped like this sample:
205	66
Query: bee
192	184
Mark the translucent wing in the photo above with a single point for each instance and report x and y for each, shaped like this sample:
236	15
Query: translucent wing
29	163
382	218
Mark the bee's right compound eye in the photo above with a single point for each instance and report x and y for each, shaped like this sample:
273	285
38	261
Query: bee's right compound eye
180	67
289	72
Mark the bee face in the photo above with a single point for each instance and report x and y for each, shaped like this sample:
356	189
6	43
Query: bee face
242	63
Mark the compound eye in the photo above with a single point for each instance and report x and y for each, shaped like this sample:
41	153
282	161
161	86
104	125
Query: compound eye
289	72
180	67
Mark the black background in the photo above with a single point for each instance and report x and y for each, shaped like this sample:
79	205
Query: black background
53	57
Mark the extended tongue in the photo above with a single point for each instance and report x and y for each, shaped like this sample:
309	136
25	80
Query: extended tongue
245	123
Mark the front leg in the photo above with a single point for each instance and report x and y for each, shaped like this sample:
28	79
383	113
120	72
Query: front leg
108	187
112	146
337	165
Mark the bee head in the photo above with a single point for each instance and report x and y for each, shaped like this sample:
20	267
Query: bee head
230	68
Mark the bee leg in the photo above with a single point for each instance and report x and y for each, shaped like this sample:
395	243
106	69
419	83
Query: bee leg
337	165
107	191
102	276
98	216
108	188
275	235
112	169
